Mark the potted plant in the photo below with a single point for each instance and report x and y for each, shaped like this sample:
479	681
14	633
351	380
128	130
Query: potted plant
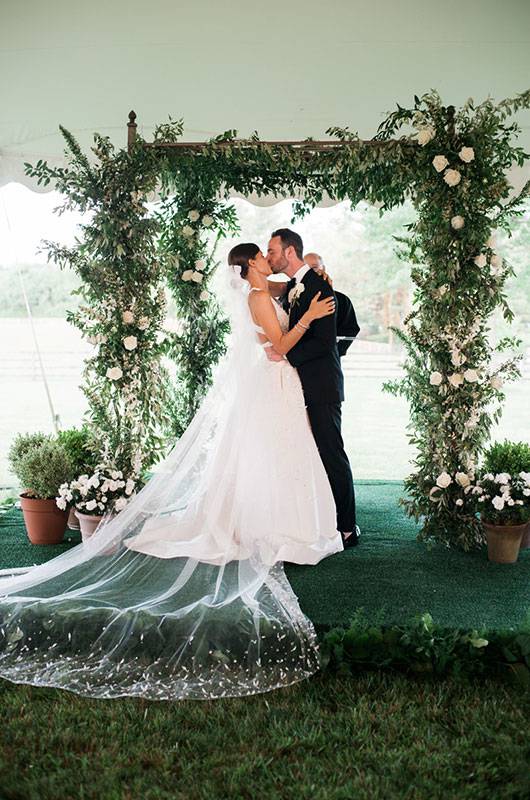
502	495
81	451
41	465
512	458
105	491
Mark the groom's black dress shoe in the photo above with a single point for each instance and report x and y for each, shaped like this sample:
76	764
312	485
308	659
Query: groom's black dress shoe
353	539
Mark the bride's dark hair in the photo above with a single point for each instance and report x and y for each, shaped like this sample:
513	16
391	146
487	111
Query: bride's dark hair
240	255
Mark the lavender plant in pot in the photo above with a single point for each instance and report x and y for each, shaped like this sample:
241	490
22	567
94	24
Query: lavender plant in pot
41	465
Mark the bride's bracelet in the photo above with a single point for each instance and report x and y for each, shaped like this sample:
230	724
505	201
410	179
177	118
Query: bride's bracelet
302	326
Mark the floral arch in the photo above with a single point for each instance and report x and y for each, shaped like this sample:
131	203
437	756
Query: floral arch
450	162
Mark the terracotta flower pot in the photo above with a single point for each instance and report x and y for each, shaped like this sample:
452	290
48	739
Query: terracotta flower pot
525	541
88	524
73	522
504	542
45	523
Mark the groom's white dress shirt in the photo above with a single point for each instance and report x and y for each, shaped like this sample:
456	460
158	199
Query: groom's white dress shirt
301	272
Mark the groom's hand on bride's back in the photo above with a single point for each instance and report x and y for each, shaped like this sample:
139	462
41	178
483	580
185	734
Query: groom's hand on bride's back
272	355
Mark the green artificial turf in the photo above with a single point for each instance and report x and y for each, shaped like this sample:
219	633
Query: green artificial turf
369	737
390	576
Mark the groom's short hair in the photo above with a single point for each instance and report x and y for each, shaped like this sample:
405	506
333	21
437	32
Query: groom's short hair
290	239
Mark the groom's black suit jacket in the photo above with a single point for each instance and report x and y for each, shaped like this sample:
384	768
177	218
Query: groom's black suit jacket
316	355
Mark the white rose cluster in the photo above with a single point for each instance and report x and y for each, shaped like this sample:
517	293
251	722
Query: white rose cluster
105	491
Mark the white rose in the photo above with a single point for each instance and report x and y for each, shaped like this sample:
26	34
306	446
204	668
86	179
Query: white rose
456	379
207	220
120	504
510	501
439	163
526	492
452	177
434	494
114	373
186	275
425	135
459	502
498	502
129	486
60	502
496	382
435	378
113	485
471	375
457	358
496	264
193	216
200	265
197	277
187	231
127	317
457	222
488	476
467	154
480	260
462	479
443	480
204	295
502	477
525	476
90	506
130	342
143	323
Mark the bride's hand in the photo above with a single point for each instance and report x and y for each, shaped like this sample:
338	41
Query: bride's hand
323	274
321	308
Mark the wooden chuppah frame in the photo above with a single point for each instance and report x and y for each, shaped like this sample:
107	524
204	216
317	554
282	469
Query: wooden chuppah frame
306	146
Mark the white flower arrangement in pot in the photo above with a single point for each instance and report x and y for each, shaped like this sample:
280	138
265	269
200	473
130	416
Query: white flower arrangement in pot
106	491
504	504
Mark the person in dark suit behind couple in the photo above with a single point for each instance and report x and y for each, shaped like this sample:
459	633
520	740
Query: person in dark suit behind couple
347	326
316	357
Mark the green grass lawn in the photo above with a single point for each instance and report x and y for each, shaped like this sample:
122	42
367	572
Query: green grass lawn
366	737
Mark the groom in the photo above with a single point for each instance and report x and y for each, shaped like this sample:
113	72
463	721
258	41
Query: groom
317	360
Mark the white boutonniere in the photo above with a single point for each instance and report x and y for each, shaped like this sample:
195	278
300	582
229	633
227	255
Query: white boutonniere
295	293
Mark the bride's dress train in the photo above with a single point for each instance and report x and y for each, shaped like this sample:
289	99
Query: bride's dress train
183	594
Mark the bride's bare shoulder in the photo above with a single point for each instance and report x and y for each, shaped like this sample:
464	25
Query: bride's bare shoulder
257	296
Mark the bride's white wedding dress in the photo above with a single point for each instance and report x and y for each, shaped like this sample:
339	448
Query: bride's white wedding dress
183	594
266	493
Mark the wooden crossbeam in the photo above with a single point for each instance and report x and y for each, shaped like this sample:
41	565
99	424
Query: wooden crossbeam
308	146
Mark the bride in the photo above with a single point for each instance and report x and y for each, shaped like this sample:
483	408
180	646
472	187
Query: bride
183	594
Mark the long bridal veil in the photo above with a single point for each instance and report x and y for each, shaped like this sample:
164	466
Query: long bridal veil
201	608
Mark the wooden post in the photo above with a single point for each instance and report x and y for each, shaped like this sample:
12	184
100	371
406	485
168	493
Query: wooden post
131	130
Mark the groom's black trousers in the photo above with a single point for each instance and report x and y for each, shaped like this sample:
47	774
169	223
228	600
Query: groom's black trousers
325	419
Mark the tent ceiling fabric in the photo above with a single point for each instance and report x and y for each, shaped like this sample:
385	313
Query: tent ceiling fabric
286	69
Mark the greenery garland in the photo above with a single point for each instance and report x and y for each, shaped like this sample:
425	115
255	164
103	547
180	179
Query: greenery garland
453	167
122	290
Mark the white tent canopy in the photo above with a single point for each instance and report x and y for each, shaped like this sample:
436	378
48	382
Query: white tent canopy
287	69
